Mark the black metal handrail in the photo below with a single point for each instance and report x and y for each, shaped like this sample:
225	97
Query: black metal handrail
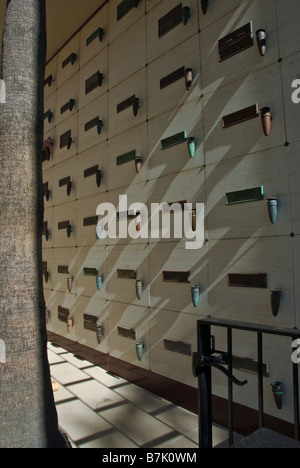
207	357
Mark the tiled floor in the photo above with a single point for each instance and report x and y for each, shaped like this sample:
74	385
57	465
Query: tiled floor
100	410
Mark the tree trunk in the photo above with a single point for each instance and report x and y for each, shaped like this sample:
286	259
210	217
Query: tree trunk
28	416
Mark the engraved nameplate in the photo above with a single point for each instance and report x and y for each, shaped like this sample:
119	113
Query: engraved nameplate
68	106
250	365
125	158
90	271
170	20
126	274
178	347
64	181
125	104
90	171
236	42
70	59
127	333
258	280
63	269
90	221
173	140
48	81
125	6
176	276
93	82
63	225
63	314
242	115
91	124
90	322
96	34
245	196
172	77
65	139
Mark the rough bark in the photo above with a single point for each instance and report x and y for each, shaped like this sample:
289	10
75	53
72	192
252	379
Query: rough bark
28	416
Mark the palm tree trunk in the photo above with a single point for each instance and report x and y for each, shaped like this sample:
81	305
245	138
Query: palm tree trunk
28	416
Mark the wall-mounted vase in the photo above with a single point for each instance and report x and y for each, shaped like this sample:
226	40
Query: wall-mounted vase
99	282
192	146
100	333
195	295
275	302
46	275
69	144
69	188
99	126
204	5
186	15
273	209
98	231
277	389
69	230
47	194
69	284
98	177
139	350
261	37
188	78
266	118
138	164
69	324
136	106
139	289
138	222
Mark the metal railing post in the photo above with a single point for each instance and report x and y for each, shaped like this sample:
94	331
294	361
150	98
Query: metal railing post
205	390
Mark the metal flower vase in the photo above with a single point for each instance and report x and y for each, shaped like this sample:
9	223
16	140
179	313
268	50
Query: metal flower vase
273	209
195	295
275	302
139	350
277	389
266	118
139	289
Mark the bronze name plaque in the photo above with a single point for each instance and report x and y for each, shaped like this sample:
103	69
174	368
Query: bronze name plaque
126	274
90	322
235	42
178	347
63	225
91	221
258	280
170	20
242	115
63	314
127	333
172	77
176	276
66	139
90	171
125	104
93	82
64	181
63	269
